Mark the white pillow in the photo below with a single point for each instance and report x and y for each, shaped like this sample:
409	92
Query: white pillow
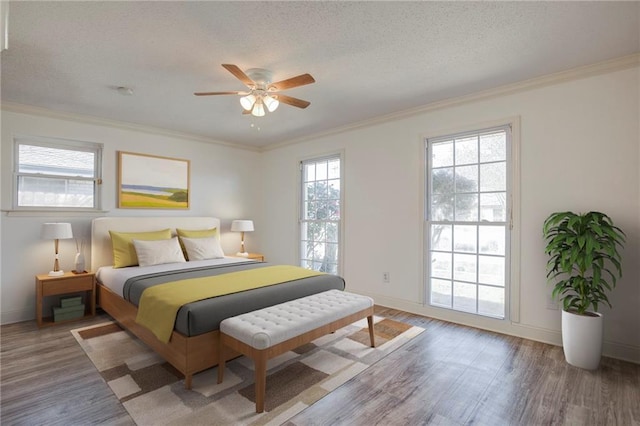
202	248
158	252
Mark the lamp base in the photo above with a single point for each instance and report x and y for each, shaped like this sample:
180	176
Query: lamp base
56	273
242	254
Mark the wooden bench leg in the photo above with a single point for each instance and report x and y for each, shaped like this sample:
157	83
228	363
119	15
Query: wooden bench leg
371	336
261	379
221	361
187	381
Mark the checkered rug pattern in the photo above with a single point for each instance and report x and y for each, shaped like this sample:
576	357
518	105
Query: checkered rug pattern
153	392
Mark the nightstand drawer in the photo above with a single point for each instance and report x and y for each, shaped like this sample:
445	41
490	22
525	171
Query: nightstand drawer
67	285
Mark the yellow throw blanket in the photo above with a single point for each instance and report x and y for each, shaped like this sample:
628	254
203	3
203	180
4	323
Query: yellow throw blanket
159	304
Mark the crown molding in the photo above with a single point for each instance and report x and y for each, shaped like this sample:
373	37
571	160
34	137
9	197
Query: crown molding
89	119
604	67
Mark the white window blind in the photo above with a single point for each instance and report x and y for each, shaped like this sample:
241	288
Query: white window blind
51	174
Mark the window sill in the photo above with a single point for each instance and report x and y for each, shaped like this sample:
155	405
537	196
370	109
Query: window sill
56	212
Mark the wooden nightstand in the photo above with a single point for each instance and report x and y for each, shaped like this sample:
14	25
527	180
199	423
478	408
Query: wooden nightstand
254	256
65	284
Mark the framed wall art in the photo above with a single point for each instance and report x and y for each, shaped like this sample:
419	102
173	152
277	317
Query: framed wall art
152	182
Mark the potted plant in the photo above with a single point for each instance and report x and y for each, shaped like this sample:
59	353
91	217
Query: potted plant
585	264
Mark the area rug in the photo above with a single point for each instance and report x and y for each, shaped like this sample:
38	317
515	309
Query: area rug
153	392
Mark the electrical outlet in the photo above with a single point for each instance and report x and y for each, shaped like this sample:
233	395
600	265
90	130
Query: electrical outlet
552	304
385	277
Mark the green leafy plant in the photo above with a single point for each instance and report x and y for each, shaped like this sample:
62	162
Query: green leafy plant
583	250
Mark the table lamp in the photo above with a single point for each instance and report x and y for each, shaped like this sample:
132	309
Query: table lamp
242	226
56	231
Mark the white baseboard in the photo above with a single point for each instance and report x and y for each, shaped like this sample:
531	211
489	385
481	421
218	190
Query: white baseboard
611	349
17	315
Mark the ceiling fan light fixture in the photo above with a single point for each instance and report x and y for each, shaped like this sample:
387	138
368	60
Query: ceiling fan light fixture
258	109
271	103
248	101
263	94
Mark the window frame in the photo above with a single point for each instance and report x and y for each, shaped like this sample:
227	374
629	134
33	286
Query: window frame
336	155
512	243
56	143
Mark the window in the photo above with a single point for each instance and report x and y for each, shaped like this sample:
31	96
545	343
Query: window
468	221
320	214
56	174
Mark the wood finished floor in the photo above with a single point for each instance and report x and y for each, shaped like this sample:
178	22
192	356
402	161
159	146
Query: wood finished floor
448	375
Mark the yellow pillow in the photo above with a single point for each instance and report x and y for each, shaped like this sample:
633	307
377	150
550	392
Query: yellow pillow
124	252
199	233
195	233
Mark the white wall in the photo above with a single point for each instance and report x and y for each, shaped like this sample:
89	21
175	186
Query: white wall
579	150
222	185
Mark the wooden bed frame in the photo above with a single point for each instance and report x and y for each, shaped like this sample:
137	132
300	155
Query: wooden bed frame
189	355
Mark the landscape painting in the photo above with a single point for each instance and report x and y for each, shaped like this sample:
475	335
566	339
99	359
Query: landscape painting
152	182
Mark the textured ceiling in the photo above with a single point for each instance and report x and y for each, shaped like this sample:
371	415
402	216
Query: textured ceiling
369	59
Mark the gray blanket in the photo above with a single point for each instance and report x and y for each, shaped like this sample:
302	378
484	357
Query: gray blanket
205	315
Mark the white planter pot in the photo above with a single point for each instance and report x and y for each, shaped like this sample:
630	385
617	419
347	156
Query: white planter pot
582	339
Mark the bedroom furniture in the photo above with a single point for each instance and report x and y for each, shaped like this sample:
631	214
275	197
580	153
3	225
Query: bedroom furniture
188	355
189	352
65	284
242	226
253	256
269	332
56	232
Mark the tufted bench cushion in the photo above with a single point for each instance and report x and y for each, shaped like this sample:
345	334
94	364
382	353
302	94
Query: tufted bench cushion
266	327
271	331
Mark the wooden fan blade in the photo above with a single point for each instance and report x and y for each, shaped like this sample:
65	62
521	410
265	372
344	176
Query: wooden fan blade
244	111
219	93
292	82
293	101
239	74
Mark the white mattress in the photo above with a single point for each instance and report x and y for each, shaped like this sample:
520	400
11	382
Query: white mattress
114	279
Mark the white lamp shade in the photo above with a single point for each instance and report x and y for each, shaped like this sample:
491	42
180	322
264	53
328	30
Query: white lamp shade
271	103
247	102
242	225
56	231
258	110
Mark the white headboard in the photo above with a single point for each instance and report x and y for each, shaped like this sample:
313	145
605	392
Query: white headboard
101	249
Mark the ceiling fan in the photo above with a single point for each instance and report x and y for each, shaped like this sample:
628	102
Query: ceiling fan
262	92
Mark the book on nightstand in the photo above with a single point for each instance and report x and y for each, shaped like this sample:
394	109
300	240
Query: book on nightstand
70	308
67	302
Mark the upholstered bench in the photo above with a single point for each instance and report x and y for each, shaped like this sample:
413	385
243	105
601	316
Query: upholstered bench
269	332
